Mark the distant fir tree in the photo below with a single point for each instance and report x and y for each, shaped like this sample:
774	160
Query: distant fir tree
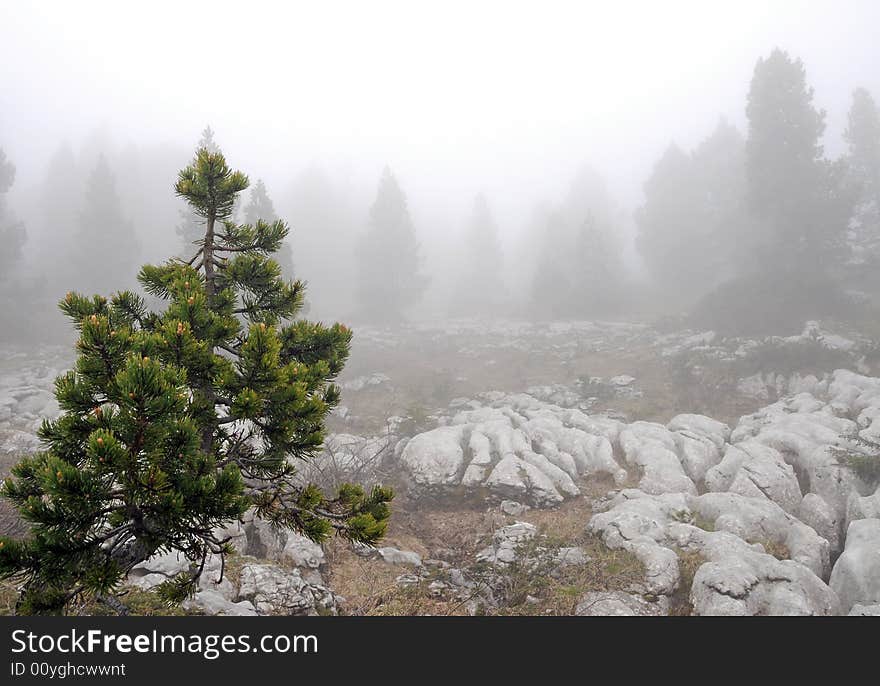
323	219
12	233
597	280
793	190
727	244
692	226
261	208
62	190
191	227
797	209
176	422
666	225
389	279
862	136
106	246
552	293
595	261
480	287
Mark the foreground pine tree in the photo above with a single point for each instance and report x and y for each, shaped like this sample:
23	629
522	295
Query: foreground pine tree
175	423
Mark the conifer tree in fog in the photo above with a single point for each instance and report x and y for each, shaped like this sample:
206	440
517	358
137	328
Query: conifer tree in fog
793	190
177	421
12	233
666	226
692	230
863	175
106	247
726	242
552	291
797	209
480	287
261	208
191	227
389	277
321	213
594	258
597	278
64	184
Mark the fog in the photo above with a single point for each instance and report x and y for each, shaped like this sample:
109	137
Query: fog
453	308
514	101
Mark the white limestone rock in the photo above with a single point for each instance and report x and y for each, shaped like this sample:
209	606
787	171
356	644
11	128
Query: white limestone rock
761	520
278	591
618	604
507	544
865	611
715	431
516	479
856	574
393	556
215	604
435	458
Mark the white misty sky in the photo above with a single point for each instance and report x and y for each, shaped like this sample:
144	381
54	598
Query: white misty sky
507	97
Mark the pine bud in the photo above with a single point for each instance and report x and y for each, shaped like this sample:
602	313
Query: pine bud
98	412
262	326
190	300
113	333
93	319
60	476
186	284
100	441
69	296
131	395
179	328
1	544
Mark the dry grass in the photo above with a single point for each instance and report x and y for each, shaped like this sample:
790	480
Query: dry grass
456	535
688	564
778	550
8	598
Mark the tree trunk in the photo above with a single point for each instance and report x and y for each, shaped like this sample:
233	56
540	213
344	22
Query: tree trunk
208	263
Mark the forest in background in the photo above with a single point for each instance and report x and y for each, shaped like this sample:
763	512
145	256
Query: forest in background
749	232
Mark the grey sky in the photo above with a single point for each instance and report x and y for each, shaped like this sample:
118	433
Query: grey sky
458	97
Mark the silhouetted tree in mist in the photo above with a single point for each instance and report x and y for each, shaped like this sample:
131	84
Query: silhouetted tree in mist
692	225
598	283
62	190
260	208
595	262
552	292
389	276
793	190
106	250
577	254
862	136
322	217
480	288
667	224
12	233
798	206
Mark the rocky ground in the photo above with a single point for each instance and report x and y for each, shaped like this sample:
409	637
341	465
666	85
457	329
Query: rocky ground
611	469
